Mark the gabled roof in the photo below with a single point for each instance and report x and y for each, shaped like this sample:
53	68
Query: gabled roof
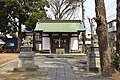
60	26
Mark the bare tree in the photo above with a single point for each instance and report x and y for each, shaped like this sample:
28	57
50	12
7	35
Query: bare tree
102	32
63	9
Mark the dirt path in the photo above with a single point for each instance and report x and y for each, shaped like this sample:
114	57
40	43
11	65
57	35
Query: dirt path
5	57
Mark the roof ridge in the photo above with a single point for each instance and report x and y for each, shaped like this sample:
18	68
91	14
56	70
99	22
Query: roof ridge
59	21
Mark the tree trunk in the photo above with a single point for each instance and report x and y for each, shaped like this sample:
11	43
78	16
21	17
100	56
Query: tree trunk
19	41
102	32
118	28
19	34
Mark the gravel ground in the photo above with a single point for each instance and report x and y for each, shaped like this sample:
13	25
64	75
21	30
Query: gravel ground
79	68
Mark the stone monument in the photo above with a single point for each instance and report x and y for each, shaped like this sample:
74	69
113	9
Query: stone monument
93	59
26	57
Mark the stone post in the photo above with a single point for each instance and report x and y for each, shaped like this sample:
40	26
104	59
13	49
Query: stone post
93	59
26	57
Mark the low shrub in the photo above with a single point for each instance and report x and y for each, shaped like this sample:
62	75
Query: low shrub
116	61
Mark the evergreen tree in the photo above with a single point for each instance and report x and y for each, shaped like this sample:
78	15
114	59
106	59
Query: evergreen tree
14	13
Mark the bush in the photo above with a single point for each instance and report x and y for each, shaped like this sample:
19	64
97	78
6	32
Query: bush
116	61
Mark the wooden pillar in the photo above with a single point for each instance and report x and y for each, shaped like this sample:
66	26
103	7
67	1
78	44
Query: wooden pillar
34	42
70	42
78	33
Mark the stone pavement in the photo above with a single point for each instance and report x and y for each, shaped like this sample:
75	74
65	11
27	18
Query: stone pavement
54	69
58	69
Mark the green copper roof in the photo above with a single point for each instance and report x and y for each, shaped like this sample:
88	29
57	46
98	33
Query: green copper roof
59	26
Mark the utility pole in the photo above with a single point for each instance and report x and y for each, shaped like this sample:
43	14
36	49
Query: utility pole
83	11
83	20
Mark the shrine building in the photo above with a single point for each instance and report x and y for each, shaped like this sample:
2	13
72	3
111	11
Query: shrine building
58	36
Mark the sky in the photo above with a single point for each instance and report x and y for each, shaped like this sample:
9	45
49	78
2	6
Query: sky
90	10
89	6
